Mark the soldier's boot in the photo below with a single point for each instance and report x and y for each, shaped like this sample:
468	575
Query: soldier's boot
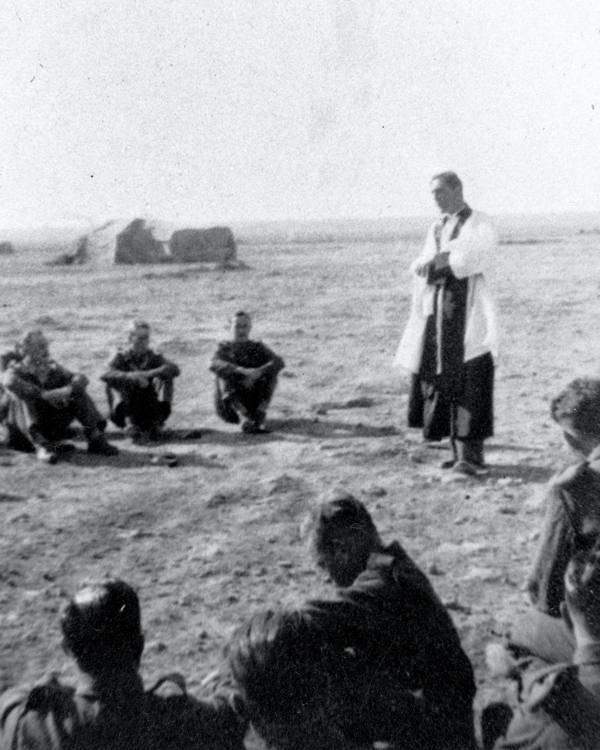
99	445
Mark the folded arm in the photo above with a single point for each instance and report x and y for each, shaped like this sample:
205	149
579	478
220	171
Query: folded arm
118	373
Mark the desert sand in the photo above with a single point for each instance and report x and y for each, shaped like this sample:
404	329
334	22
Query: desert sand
221	535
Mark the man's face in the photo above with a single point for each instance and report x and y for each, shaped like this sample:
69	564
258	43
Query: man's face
340	558
36	350
139	339
240	327
581	444
449	200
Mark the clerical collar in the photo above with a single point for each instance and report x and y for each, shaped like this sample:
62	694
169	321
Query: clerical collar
459	213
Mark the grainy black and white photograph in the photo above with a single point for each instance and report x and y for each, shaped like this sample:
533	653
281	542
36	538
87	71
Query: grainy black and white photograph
299	375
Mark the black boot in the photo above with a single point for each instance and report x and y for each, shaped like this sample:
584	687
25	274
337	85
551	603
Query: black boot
470	457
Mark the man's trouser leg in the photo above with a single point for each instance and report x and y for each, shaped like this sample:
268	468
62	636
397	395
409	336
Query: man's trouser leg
473	409
139	404
470	451
234	397
540	635
33	423
81	407
224	403
165	390
256	400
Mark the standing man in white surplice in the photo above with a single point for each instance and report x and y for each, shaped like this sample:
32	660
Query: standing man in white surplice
450	342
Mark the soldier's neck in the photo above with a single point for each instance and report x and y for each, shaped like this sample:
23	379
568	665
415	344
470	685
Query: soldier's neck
109	681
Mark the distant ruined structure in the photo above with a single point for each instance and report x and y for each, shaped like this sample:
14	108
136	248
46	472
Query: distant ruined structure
144	242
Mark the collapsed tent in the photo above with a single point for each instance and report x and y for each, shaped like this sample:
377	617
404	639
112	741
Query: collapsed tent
142	242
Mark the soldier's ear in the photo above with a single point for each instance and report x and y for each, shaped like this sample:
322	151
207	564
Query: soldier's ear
566	615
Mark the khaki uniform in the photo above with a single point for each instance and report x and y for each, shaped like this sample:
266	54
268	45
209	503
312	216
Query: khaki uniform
560	710
571	524
51	716
31	419
233	396
145	407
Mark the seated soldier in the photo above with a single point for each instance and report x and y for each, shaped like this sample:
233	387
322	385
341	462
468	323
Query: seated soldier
246	373
43	398
560	705
144	381
381	662
571	525
108	708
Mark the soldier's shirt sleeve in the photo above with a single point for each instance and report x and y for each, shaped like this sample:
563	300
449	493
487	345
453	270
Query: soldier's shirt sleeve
268	355
7	357
159	362
61	376
11	710
13	380
223	362
119	362
118	367
21	727
546	581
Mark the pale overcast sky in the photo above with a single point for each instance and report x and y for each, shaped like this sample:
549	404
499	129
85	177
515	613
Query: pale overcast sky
225	110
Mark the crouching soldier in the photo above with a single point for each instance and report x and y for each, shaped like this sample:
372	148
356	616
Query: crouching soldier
42	398
246	373
144	381
108	707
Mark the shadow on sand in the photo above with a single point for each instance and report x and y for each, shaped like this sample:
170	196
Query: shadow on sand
150	457
5	497
329	428
529	474
309	427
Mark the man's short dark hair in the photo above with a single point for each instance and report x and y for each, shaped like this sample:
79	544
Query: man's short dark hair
341	515
582	586
579	402
275	659
451	179
101	626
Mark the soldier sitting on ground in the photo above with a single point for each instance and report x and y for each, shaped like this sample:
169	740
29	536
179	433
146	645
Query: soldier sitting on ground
42	398
108	708
380	662
571	525
246	373
144	381
560	705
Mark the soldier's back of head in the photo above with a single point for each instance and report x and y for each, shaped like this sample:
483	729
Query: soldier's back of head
101	627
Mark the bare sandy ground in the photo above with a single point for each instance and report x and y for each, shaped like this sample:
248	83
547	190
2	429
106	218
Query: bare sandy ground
220	536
